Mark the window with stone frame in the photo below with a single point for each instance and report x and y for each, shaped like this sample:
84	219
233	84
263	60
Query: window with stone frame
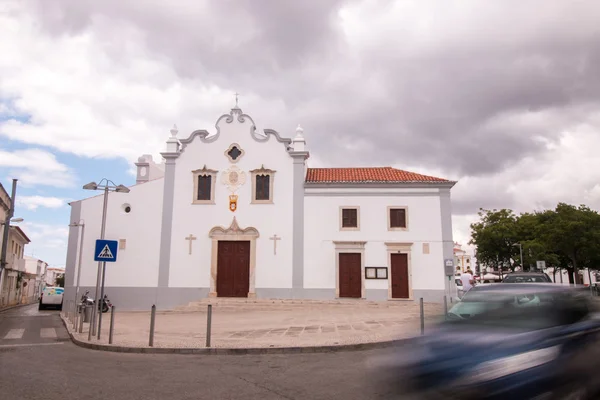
262	185
397	218
349	218
204	186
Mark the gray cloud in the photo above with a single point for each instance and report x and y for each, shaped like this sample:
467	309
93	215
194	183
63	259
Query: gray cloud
469	89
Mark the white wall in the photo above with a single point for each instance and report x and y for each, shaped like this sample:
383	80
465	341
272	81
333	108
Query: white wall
272	271
322	227
565	276
137	264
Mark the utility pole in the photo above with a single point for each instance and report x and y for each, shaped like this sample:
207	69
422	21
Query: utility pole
6	227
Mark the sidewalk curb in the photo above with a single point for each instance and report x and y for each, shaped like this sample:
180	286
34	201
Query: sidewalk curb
239	351
16	306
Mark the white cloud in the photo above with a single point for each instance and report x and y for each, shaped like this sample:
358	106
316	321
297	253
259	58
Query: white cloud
36	167
85	102
33	202
48	242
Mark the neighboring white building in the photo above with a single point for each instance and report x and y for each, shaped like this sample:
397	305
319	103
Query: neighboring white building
12	280
462	260
237	213
37	268
51	275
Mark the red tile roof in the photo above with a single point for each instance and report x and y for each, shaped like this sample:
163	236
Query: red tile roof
366	175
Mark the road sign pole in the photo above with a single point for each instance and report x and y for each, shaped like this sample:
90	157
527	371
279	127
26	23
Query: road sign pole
100	303
100	274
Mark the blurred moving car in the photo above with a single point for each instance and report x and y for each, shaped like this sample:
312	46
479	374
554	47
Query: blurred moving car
51	296
501	341
527	277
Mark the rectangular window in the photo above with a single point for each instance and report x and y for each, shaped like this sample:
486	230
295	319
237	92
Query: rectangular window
349	218
263	186
397	218
204	187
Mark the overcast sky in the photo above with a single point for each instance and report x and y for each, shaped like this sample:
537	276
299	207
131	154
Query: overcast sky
501	95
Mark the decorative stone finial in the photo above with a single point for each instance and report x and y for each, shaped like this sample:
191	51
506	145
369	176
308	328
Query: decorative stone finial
299	143
174	131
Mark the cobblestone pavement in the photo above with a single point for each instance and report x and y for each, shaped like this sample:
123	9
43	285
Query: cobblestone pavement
263	323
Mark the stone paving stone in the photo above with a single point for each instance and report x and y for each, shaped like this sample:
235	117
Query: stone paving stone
258	323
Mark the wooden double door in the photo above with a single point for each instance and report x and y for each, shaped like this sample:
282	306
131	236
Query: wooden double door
233	268
399	276
350	276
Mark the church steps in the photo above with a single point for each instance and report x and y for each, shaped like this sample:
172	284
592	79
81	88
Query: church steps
283	304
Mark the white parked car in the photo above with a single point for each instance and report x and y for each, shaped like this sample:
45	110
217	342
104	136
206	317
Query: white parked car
51	296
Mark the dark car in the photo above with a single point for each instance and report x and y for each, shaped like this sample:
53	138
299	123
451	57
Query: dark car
527	277
508	341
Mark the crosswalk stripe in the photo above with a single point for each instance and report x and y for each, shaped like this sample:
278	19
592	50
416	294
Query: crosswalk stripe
48	333
14	334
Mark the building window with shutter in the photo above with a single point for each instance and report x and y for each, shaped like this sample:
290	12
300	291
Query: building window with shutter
204	186
397	218
349	218
262	185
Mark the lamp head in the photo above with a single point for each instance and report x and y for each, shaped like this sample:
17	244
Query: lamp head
91	186
122	189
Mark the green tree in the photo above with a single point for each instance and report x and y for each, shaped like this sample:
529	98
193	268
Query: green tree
567	237
495	236
573	234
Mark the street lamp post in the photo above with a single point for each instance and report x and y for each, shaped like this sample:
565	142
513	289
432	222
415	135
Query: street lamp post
109	186
81	224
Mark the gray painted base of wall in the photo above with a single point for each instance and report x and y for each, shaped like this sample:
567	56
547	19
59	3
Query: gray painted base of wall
430	296
376	294
312	294
142	298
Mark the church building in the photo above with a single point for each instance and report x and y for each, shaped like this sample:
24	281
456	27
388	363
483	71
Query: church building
238	213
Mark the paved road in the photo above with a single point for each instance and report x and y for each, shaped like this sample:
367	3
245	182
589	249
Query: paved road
37	367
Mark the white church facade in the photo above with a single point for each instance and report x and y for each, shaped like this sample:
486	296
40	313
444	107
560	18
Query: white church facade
238	213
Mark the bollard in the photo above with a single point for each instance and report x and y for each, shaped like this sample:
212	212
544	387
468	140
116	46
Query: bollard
76	319
81	324
422	316
92	321
208	324
445	308
112	325
152	316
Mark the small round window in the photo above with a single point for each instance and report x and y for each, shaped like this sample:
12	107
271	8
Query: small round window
126	208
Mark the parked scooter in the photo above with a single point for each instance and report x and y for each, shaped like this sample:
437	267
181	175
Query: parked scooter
106	304
86	300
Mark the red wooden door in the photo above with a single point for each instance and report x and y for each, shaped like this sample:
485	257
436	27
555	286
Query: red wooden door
233	269
400	276
350	283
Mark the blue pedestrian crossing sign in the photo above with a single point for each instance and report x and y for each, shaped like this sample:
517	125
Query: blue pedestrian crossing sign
106	250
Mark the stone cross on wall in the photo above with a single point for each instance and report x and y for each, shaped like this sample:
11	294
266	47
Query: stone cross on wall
274	238
190	238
